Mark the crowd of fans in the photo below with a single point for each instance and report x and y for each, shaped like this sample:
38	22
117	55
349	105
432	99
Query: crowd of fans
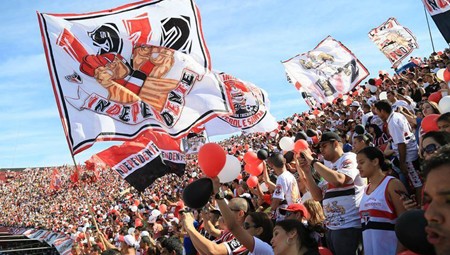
363	169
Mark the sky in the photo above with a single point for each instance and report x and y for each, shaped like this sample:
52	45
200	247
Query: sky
247	39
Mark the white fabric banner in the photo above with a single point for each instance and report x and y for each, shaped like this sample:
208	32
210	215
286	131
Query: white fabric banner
393	40
327	71
112	78
251	110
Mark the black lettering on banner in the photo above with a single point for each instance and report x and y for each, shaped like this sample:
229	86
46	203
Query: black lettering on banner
174	97
102	105
187	78
125	114
145	110
168	118
175	34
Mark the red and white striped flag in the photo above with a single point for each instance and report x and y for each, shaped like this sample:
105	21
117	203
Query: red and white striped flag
141	161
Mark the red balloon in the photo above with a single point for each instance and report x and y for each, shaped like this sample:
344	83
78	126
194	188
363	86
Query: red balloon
446	75
211	159
435	97
429	123
250	157
378	82
252	181
137	223
163	208
136	202
254	169
324	251
407	253
300	145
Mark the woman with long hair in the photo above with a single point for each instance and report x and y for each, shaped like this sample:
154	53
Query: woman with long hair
291	237
380	205
316	220
432	141
380	139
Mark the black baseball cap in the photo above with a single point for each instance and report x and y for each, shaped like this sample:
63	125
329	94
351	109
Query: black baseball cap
330	136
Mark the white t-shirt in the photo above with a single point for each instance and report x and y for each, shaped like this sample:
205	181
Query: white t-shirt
287	189
403	104
401	132
261	248
341	204
365	117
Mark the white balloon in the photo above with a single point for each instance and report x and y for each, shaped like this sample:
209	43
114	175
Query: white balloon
273	134
440	74
444	104
383	95
230	170
286	143
373	89
264	187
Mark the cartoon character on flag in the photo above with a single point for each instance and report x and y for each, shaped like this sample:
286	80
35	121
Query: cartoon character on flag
143	78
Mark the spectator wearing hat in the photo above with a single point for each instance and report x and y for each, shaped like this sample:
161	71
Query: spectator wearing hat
295	211
340	192
357	112
403	143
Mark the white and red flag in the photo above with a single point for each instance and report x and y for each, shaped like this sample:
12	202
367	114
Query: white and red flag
251	109
440	12
141	161
393	40
327	71
55	180
118	72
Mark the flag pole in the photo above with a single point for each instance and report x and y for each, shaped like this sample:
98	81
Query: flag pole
429	30
89	204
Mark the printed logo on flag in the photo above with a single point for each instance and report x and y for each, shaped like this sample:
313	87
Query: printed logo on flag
394	41
327	71
119	72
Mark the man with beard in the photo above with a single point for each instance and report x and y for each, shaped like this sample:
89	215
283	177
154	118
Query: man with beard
436	200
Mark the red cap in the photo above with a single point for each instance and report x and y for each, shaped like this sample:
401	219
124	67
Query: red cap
298	208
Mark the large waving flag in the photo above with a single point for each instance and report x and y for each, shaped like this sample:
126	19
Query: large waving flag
141	161
251	110
440	12
394	40
327	71
118	72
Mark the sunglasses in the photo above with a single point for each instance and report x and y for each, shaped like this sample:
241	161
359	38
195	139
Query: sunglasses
430	148
247	226
285	213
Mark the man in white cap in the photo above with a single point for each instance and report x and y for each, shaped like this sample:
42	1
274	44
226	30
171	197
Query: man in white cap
357	112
